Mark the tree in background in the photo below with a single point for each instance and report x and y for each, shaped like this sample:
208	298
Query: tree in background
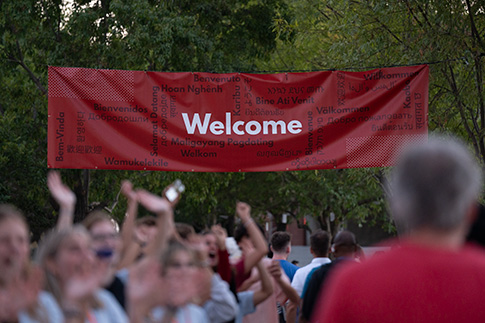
357	35
209	36
449	35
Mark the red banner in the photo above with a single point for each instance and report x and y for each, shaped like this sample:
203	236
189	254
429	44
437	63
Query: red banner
204	122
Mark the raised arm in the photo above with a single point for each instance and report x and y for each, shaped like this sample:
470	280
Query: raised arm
266	284
163	209
276	272
64	197
130	247
255	235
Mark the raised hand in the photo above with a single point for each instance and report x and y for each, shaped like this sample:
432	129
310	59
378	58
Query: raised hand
128	192
64	197
243	210
154	203
221	235
59	191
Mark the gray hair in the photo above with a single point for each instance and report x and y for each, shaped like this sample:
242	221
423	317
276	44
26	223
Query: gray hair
434	185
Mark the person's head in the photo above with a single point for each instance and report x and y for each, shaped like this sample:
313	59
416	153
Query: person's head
434	186
319	243
241	233
184	230
178	261
212	247
105	237
14	242
281	242
344	244
63	255
146	229
242	238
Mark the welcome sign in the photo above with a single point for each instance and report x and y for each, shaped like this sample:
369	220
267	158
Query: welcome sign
205	122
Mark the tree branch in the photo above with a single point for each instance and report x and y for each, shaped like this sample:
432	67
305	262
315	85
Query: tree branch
390	31
452	81
21	62
475	32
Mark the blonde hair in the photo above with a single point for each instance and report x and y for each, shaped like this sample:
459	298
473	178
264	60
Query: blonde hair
48	249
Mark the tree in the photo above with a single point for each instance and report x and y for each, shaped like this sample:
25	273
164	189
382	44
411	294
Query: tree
356	35
366	34
116	34
214	36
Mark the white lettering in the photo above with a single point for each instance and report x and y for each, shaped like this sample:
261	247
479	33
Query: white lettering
239	127
196	123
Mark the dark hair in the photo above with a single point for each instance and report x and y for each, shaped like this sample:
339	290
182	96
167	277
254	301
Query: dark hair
344	243
320	242
184	230
241	231
280	240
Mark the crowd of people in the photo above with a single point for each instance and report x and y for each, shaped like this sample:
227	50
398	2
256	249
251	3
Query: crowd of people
153	269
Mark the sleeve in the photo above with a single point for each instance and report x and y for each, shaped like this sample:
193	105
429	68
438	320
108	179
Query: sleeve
246	303
240	275
197	314
113	310
224	267
222	306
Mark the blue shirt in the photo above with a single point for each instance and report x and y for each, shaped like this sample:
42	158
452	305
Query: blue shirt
288	268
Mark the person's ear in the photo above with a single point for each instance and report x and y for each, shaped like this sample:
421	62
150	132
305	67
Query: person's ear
288	249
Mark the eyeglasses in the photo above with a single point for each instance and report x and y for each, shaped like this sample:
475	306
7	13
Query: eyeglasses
105	236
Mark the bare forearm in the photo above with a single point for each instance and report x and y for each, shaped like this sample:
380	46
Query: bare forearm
291	312
128	227
289	291
66	216
166	228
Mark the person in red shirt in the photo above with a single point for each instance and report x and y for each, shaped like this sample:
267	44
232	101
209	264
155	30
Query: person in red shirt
429	275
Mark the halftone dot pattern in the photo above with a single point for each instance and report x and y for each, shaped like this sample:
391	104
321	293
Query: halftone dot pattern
91	84
378	151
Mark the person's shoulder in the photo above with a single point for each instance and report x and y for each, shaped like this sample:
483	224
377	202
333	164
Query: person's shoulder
107	299
287	264
196	309
46	305
325	267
